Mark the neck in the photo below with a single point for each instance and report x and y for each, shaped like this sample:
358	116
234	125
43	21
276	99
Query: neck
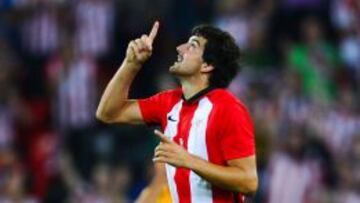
191	86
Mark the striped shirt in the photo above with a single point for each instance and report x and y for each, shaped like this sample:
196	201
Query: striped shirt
40	32
94	20
213	125
76	91
293	180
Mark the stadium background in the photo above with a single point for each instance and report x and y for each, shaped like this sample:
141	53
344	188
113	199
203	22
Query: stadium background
300	80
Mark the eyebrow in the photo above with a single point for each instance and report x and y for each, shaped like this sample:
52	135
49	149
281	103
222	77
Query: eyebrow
193	39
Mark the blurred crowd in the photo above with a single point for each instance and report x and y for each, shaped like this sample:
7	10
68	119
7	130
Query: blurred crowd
300	80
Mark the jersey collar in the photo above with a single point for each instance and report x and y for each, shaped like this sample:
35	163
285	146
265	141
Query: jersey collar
198	95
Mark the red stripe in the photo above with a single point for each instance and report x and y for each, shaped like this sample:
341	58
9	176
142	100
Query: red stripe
182	175
214	156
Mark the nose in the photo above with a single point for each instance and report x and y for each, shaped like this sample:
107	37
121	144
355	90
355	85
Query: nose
181	48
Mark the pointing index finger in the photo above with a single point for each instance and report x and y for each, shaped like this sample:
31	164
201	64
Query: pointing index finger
162	136
154	31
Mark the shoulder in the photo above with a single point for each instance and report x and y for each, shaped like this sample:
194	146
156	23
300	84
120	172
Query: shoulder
225	100
228	108
172	95
165	98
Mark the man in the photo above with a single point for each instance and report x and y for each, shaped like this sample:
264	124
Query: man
207	141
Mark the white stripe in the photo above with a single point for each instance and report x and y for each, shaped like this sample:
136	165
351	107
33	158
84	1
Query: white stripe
200	188
171	131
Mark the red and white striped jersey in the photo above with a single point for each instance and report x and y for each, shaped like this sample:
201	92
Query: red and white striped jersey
213	125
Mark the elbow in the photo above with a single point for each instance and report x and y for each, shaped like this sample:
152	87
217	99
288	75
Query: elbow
249	187
103	116
110	117
99	116
252	186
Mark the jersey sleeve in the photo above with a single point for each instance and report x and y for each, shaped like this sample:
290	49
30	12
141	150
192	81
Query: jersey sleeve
237	133
151	109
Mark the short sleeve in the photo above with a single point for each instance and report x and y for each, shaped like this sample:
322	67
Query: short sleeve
237	133
151	108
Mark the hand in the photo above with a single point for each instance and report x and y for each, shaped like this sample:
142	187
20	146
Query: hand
139	50
171	153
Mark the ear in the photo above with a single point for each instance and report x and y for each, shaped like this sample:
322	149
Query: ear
206	68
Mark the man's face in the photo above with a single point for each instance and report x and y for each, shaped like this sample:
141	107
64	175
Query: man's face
189	58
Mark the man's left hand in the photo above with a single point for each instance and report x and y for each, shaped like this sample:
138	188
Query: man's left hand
171	153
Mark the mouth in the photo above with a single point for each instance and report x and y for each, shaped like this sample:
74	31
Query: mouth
179	58
177	62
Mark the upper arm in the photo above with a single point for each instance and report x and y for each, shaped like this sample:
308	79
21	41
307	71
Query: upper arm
131	113
237	134
238	147
128	113
149	110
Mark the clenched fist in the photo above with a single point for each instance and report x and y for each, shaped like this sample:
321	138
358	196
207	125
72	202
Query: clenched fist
140	49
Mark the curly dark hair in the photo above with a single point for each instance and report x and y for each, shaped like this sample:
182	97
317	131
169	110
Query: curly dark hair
221	52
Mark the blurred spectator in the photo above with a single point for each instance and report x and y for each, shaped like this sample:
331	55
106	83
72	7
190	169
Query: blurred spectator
295	106
39	33
72	81
315	60
42	162
40	27
347	191
234	17
350	53
94	26
293	176
7	127
257	55
7	111
121	182
346	17
10	103
354	159
106	186
13	180
338	125
345	14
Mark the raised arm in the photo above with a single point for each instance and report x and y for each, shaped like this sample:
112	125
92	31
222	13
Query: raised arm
115	105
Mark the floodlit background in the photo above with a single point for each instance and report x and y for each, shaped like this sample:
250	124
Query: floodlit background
300	80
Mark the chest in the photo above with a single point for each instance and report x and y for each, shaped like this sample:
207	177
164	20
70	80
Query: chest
189	125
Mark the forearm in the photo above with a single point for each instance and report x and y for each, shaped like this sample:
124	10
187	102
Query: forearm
117	91
239	175
115	105
226	177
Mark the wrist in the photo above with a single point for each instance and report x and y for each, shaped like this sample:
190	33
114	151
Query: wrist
135	65
192	162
